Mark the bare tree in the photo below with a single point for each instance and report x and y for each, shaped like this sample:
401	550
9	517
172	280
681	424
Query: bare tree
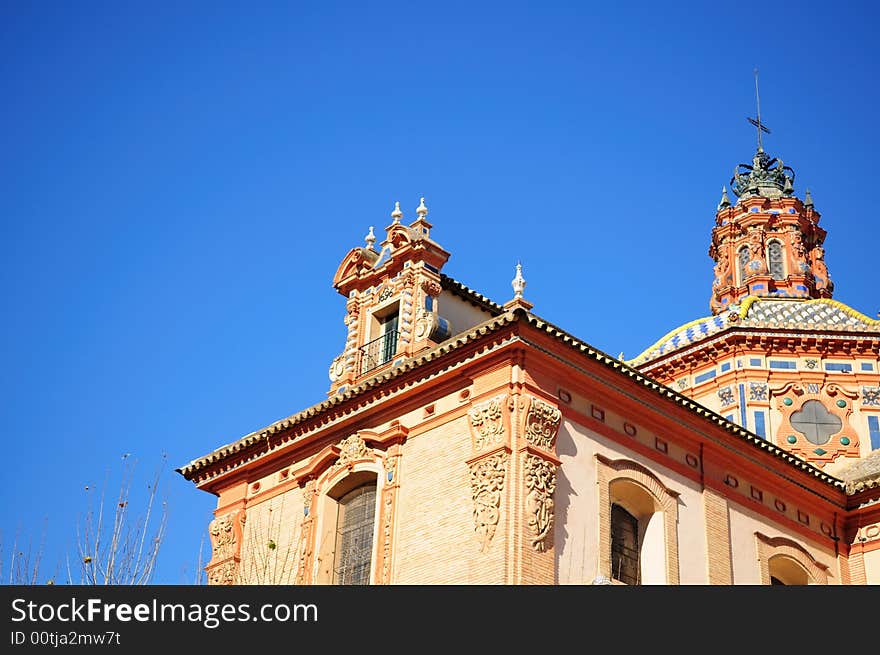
272	545
24	561
115	546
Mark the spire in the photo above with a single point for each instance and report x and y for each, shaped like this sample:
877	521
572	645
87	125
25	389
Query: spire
370	238
808	199
397	214
757	121
421	210
725	201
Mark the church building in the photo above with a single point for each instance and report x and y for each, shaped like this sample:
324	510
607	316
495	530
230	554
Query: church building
469	441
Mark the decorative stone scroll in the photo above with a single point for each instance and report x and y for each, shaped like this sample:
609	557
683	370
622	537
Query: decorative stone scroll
487	485
540	483
352	448
542	424
337	368
487	423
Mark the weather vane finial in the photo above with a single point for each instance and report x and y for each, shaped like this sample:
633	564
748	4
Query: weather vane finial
757	122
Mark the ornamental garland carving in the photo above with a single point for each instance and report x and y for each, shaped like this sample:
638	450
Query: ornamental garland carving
542	424
305	532
387	515
540	480
487	484
352	448
487	423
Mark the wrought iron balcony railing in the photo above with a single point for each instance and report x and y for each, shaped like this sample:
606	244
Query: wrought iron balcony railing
378	351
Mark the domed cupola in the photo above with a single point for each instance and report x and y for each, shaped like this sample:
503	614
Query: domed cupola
768	243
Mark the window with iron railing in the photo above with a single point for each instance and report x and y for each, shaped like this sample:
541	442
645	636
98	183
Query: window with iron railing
378	351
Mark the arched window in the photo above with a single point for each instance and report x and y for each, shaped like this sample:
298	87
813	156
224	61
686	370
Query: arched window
787	571
743	259
638	518
353	553
782	561
624	546
774	259
638	542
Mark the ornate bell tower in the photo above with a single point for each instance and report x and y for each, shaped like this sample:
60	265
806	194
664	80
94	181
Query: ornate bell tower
393	293
768	244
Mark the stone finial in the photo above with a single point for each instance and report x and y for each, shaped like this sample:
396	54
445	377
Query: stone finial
421	210
370	238
518	282
808	199
725	201
397	214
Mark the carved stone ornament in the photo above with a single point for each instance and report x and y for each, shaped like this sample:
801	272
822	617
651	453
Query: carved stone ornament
425	323
487	485
431	288
387	516
337	368
487	423
223	574
542	424
390	465
308	492
352	448
540	485
305	536
222	537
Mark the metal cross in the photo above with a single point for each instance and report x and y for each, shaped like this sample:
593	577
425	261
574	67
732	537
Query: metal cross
757	122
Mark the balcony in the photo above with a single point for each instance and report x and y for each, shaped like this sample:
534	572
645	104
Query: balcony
378	351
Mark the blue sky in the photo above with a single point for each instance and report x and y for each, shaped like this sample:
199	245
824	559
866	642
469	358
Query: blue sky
181	180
